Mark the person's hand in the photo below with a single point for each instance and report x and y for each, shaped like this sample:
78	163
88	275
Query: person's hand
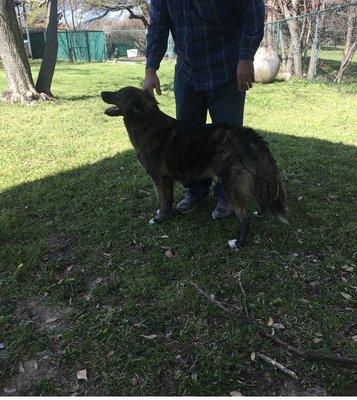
152	82
245	75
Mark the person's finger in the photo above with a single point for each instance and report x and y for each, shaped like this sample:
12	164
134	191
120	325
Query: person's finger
158	88
240	85
250	83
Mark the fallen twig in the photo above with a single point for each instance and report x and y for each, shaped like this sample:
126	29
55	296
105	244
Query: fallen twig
275	364
314	356
204	294
244	295
311	355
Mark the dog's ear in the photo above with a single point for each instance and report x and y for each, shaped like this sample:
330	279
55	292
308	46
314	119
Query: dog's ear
113	111
142	105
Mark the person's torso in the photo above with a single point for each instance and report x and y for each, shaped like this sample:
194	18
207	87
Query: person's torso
201	26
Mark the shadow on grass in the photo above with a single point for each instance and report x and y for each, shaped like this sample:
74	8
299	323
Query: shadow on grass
79	98
58	234
103	198
327	70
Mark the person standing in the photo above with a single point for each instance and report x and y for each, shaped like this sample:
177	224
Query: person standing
215	43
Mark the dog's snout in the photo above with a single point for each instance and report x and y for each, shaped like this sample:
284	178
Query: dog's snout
108	97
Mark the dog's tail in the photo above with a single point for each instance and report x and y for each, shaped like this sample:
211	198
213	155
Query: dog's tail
269	190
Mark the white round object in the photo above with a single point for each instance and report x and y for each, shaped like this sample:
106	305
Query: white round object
266	65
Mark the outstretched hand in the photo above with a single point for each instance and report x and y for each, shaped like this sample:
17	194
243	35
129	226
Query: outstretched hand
245	75
152	82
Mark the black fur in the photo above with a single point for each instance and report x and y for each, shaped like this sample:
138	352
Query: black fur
172	151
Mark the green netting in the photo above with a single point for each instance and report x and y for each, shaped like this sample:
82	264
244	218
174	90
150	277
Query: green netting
82	46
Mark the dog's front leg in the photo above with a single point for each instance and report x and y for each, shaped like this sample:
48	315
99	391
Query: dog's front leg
164	188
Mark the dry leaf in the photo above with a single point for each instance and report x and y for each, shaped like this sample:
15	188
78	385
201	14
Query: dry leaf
270	321
278	325
346	296
194	376
354	338
10	390
164	237
235	393
347	268
169	254
98	280
150	337
252	356
2	345
21	368
51	320
305	301
317	340
134	381
110	354
82	375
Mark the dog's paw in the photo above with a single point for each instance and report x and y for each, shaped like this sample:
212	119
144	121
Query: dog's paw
158	219
232	244
236	244
259	214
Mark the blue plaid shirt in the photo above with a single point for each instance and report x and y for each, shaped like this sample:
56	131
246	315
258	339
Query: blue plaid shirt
210	37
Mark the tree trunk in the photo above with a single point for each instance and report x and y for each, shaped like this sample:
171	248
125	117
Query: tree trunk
296	47
269	25
294	35
48	64
13	55
350	45
315	50
288	70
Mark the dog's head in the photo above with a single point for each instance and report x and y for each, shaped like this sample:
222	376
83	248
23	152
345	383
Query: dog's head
130	101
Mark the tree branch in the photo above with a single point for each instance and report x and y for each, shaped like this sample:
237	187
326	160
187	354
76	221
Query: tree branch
314	356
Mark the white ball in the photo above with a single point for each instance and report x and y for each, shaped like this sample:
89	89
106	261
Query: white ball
266	65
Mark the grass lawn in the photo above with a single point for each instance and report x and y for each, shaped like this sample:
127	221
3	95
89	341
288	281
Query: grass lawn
84	280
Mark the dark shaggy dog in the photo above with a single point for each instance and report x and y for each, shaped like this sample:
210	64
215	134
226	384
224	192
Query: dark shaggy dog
172	151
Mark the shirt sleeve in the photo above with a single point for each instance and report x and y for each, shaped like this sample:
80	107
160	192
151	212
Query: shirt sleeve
252	23
158	33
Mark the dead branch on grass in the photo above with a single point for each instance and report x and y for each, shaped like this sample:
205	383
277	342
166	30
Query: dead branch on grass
313	356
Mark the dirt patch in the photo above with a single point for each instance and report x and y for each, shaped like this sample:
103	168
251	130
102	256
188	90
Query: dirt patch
59	247
294	389
29	373
47	318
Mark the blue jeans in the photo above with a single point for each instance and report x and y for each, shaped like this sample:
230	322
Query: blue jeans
225	104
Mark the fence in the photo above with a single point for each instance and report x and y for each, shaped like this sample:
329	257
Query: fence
120	41
317	49
319	46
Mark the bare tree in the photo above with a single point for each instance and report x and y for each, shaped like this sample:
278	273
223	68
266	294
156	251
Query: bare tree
12	52
289	9
49	59
315	48
350	44
137	9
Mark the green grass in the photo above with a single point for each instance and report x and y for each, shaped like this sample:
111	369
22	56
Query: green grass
76	245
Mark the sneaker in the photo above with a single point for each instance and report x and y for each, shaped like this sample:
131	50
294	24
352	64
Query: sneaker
223	209
188	203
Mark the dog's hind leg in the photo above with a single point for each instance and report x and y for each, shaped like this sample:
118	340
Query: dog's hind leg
164	189
236	189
